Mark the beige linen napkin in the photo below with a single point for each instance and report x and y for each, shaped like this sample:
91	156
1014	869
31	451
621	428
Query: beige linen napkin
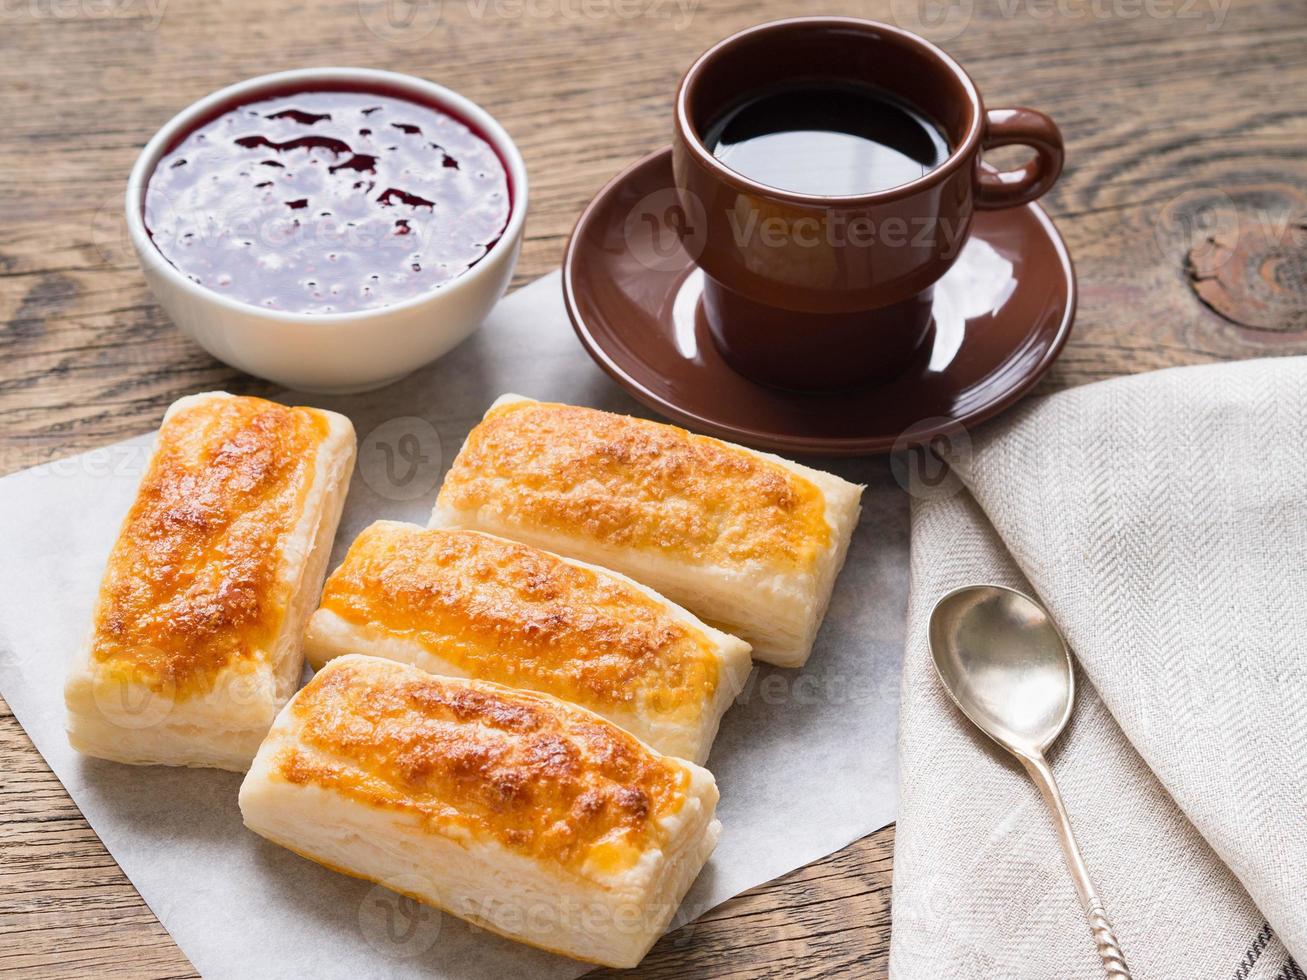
1162	518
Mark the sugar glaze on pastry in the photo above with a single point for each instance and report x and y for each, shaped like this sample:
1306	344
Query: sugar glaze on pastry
747	540
196	639
528	816
468	604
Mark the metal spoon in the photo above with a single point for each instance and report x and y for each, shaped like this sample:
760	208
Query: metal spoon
1007	668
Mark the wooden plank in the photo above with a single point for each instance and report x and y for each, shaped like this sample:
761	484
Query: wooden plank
1181	125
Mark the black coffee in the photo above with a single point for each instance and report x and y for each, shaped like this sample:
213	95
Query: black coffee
829	139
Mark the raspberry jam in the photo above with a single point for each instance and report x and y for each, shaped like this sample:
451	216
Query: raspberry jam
327	201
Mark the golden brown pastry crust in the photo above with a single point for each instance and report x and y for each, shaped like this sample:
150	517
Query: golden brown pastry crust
192	585
633	483
472	760
510	613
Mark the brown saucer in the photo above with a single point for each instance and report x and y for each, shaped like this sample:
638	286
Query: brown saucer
1002	314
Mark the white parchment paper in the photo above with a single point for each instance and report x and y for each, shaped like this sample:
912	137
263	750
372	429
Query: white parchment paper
805	759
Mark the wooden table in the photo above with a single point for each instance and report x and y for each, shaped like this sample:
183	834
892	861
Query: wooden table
1184	203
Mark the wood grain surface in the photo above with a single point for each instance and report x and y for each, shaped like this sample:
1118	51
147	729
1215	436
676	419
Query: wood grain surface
1184	203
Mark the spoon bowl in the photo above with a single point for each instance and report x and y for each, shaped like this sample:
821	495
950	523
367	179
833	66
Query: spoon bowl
1004	664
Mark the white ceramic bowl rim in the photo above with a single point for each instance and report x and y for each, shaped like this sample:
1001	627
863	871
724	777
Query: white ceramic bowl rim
197	113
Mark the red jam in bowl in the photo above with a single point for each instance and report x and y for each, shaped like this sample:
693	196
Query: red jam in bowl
328	202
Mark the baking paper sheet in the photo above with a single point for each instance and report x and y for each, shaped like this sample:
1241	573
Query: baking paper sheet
805	759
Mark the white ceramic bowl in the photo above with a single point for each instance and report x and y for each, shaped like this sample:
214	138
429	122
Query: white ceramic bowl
330	352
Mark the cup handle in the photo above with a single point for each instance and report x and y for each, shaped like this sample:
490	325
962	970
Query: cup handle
1019	127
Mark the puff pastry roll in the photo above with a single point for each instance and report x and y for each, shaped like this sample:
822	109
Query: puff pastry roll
749	541
196	639
467	604
530	817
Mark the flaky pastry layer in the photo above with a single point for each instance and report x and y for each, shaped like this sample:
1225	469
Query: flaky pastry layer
195	642
468	604
748	541
529	816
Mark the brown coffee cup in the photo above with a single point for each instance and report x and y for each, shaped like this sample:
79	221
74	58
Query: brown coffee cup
818	292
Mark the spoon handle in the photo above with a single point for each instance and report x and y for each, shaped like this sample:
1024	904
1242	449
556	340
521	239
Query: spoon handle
1109	950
